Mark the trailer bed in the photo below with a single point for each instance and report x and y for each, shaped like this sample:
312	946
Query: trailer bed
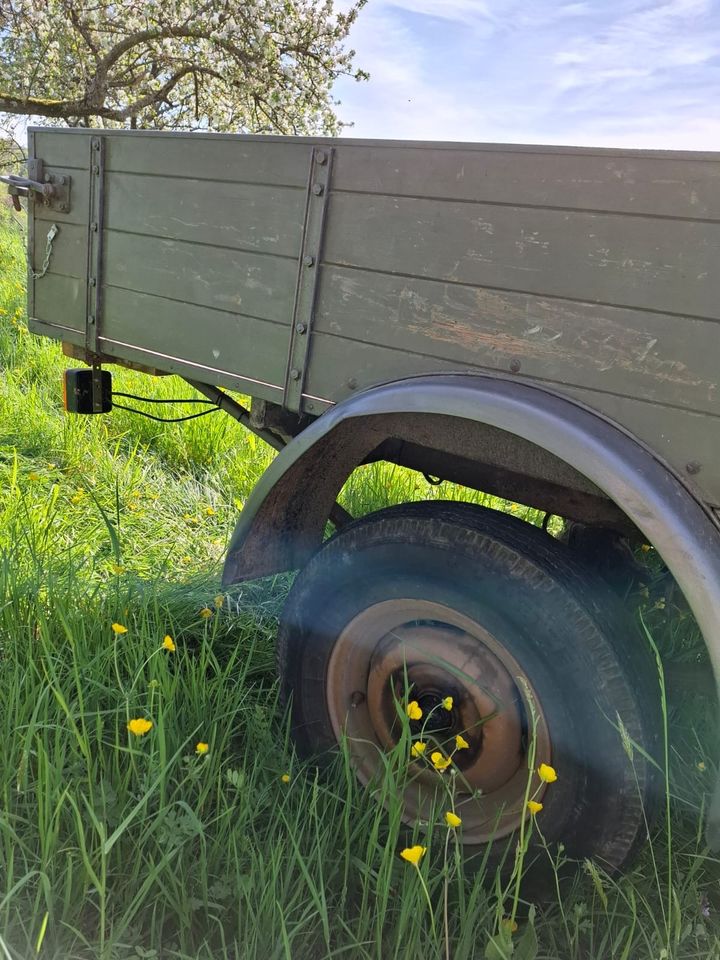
302	270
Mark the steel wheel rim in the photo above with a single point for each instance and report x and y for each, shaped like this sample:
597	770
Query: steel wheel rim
433	651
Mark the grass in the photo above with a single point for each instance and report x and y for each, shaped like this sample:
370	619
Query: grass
120	847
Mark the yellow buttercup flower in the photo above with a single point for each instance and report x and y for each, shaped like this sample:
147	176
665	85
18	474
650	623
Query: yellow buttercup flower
439	761
418	748
507	923
33	476
219	600
413	710
285	778
202	748
452	819
117	569
534	806
448	703
168	644
461	743
701	766
414	854
209	512
140	726
206	613
547	773
118	629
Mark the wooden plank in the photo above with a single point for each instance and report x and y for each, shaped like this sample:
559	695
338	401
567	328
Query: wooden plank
200	158
61	148
625	261
637	353
180	367
69	250
238	216
212	339
61	301
677	435
653	185
231	280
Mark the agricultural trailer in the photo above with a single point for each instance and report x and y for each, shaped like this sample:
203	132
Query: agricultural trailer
538	323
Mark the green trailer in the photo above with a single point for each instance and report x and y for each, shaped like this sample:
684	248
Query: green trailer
539	323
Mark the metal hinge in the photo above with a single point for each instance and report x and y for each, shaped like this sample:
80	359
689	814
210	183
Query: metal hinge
52	190
316	202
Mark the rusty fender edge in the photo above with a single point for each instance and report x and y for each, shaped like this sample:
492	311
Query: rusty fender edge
283	520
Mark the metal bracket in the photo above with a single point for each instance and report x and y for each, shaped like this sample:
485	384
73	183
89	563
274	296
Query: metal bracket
95	242
50	189
97	388
316	202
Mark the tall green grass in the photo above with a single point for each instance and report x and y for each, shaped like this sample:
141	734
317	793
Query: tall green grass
116	846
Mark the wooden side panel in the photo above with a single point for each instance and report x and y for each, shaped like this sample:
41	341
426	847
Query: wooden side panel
69	252
240	216
215	159
595	271
614	349
59	148
60	301
625	183
203	276
627	261
210	339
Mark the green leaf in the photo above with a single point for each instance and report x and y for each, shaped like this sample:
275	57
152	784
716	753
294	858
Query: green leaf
526	947
499	947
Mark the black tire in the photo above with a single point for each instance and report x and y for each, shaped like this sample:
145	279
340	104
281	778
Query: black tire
562	625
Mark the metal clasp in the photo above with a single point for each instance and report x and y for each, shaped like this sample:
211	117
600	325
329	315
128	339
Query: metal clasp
53	190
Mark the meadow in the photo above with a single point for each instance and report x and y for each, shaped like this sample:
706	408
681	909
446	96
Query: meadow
151	846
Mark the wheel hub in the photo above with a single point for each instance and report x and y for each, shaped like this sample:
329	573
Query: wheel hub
401	651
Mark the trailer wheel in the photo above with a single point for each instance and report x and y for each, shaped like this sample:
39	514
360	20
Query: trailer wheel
434	600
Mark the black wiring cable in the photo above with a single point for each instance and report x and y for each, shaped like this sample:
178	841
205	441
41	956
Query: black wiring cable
132	396
192	416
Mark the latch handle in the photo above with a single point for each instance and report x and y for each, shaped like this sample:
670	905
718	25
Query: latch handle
21	186
54	191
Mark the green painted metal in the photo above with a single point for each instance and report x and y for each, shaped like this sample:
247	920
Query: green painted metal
316	203
95	233
592	272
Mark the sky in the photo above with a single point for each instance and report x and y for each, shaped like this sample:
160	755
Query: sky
629	73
